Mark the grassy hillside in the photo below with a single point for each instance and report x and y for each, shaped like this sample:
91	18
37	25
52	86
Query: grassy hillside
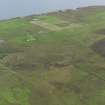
53	59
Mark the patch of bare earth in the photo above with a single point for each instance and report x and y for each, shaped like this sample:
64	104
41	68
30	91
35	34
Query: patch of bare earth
99	47
101	31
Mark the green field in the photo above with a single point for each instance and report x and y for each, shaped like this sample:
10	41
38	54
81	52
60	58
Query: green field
53	59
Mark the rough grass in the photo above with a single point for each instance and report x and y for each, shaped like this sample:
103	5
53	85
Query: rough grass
43	67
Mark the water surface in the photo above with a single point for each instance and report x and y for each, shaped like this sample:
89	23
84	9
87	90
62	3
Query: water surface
14	8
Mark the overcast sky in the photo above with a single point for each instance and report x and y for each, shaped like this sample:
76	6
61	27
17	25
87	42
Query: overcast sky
12	8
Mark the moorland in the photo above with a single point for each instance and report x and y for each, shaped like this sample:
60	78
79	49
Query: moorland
57	58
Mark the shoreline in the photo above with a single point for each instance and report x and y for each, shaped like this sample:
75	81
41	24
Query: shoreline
60	10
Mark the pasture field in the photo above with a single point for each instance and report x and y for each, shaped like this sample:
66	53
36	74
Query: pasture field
54	59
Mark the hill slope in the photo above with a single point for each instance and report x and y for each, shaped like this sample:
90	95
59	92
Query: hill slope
53	59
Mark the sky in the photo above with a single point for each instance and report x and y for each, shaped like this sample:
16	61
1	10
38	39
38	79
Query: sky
13	8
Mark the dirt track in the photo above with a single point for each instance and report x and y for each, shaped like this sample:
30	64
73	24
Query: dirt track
46	25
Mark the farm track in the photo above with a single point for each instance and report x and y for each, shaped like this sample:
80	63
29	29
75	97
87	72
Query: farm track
46	25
